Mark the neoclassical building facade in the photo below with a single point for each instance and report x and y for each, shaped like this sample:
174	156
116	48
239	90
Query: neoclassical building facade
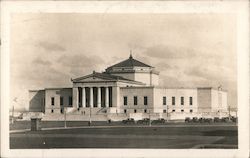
128	89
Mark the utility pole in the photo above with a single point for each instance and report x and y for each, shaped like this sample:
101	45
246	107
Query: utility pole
12	119
167	113
89	115
65	119
13	109
149	118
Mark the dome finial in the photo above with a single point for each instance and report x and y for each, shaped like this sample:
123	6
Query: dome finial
130	54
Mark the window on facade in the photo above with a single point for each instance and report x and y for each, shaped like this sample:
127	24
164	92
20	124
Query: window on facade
125	100
191	110
70	100
52	110
164	111
145	100
173	110
164	100
52	101
61	101
173	100
182	110
145	110
135	100
135	111
61	110
125	111
182	100
190	100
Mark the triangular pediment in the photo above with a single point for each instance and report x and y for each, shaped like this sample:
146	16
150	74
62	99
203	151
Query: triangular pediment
93	77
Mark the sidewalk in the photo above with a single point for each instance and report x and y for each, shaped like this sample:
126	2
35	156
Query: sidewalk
125	126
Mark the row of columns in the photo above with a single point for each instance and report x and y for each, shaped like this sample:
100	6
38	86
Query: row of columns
91	96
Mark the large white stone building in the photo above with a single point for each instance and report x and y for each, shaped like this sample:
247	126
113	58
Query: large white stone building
128	89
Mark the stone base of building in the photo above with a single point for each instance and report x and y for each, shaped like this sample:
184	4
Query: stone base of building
84	115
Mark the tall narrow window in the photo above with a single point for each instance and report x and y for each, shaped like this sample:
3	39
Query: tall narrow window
164	100
145	100
182	100
70	100
135	111
125	100
190	100
52	101
135	100
61	101
173	100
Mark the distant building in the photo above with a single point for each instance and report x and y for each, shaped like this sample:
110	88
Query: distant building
128	89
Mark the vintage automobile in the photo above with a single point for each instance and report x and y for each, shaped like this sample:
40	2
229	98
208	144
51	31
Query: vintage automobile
195	119
129	121
144	121
187	119
159	121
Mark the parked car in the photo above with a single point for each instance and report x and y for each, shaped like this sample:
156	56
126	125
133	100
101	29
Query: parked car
187	119
208	120
129	121
234	119
225	119
201	120
195	119
217	119
159	121
144	121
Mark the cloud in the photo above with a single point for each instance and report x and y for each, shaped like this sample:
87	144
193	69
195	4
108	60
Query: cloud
173	52
49	46
41	61
80	63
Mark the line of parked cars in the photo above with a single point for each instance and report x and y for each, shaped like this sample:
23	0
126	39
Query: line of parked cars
144	121
211	120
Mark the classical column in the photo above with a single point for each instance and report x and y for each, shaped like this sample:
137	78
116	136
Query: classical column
107	96
91	97
83	97
98	97
75	97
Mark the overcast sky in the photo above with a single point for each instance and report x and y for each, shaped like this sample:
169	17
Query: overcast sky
189	50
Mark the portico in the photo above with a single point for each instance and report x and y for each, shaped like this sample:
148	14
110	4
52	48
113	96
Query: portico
94	97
